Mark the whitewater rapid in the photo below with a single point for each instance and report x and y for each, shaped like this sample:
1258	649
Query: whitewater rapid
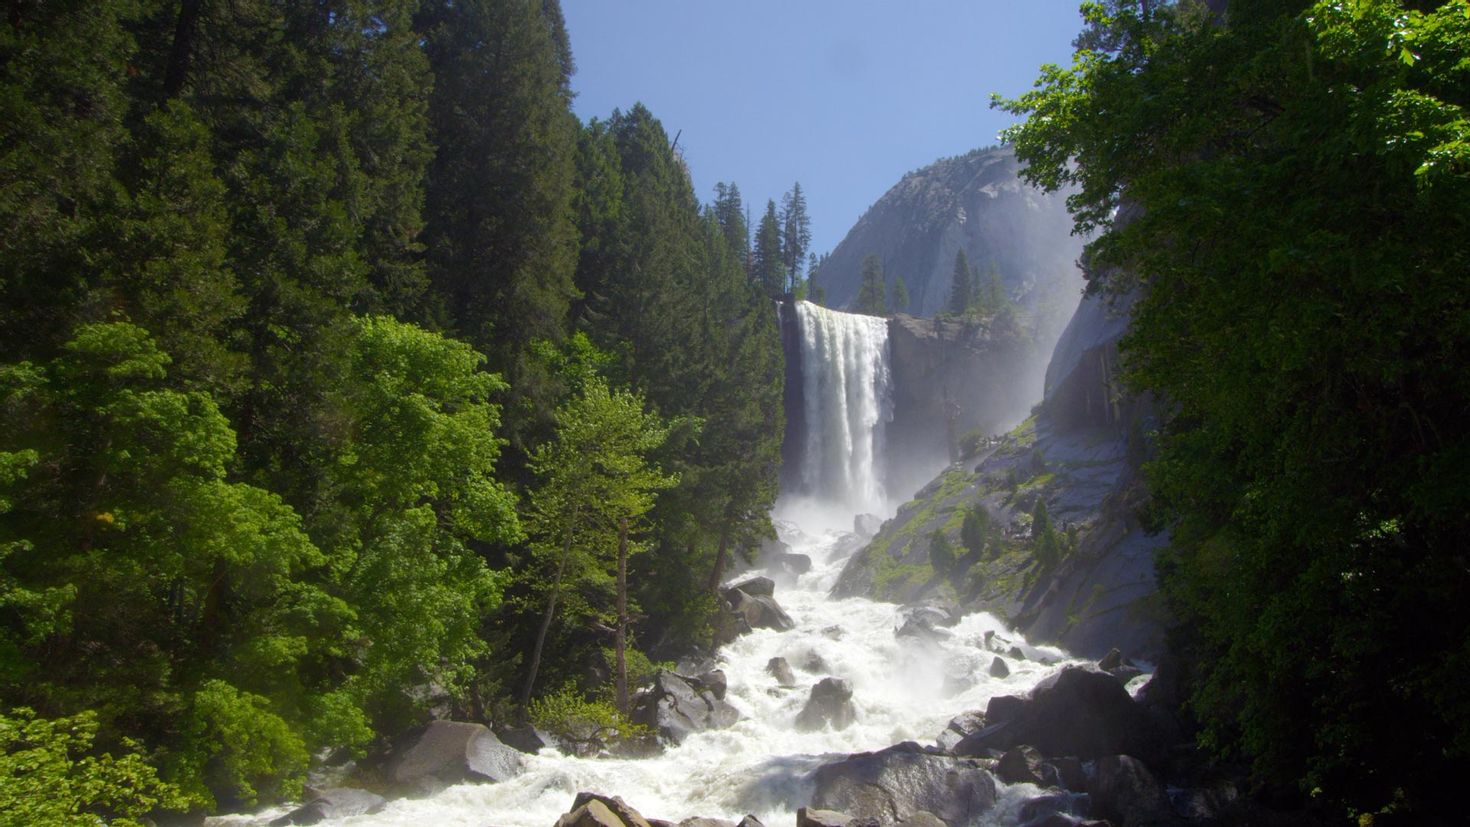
904	689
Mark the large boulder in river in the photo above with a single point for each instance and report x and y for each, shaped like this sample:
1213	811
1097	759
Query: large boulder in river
755	587
1124	792
677	706
1078	711
830	704
893	784
616	807
960	726
334	803
758	611
452	752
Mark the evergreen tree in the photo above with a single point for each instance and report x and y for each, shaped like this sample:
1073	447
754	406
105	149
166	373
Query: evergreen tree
796	234
959	290
870	297
941	553
766	260
729	212
900	300
975	529
1045	542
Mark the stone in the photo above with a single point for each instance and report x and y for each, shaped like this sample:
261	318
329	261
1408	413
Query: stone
676	706
1112	660
592	814
525	738
1125	673
922	818
714	680
814	663
894	784
998	668
750	821
1002	708
759	611
812	817
614	804
1070	774
334	803
1125	792
451	752
959	726
1022	765
922	628
794	563
1015	653
755	587
701	821
1034	810
830	704
779	669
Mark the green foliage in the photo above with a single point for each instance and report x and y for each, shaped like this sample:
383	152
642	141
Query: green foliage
975	529
49	775
1295	187
796	235
572	718
870	298
959	288
1045	543
899	301
941	554
766	263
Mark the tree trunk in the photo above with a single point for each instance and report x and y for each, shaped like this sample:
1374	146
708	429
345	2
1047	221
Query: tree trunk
718	572
622	638
561	567
181	55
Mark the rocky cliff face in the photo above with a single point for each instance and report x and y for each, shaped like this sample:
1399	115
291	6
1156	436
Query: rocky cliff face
975	202
1080	454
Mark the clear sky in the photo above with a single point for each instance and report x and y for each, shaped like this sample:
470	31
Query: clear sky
844	96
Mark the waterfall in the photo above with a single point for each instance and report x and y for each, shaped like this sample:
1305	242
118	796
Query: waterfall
846	403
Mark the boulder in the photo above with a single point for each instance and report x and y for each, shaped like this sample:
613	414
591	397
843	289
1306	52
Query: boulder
1015	653
998	668
811	817
1070	774
1024	765
921	818
714	680
1078	712
592	814
525	738
959	726
755	587
452	752
701	821
615	805
1112	660
830	704
676	706
814	663
750	821
793	563
921	628
779	669
759	611
1124	792
334	803
893	784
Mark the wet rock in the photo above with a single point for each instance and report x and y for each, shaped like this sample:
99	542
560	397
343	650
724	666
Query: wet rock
1077	711
701	821
676	706
830	704
779	669
959	726
1023	765
525	738
759	611
1070	774
998	668
1124	792
815	663
867	525
793	563
592	814
922	628
1063	820
615	805
755	587
812	817
1035	810
452	752
921	818
1112	660
750	821
1118	666
1125	673
1015	653
893	784
338	802
714	680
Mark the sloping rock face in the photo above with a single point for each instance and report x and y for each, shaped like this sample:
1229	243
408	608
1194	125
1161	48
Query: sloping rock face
451	752
975	202
677	705
891	785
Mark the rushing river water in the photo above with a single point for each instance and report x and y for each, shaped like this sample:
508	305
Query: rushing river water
903	688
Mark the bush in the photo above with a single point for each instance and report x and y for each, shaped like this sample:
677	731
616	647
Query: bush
587	726
941	553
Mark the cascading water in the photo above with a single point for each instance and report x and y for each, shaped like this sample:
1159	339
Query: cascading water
903	688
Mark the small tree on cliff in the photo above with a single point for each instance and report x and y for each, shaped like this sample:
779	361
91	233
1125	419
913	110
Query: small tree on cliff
900	302
959	291
870	298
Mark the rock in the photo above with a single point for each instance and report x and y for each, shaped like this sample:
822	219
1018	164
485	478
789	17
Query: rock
959	726
334	803
701	821
676	706
812	817
779	669
451	752
755	587
1063	820
922	819
1112	660
998	668
794	563
830	704
592	814
524	738
1036	810
814	663
893	784
1125	673
1023	765
615	805
1070	774
834	632
922	628
867	525
714	680
1077	711
759	611
750	821
1124	792
1015	653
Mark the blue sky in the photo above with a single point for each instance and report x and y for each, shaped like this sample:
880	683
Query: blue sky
844	96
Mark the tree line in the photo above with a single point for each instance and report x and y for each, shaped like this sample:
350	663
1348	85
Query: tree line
346	372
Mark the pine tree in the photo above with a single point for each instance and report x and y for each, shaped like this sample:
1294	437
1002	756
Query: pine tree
729	212
900	300
766	260
796	234
959	291
870	298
